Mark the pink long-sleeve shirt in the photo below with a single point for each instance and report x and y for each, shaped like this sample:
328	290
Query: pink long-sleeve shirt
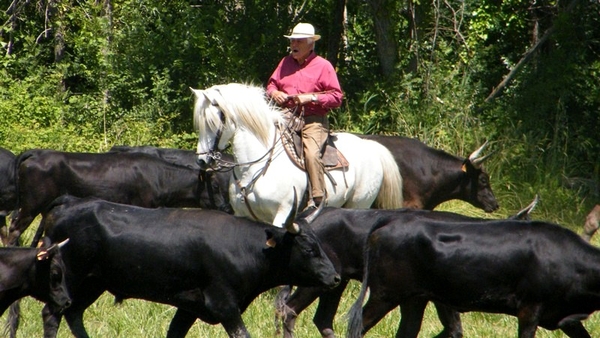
315	75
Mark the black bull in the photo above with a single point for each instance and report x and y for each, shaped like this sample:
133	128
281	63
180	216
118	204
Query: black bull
208	264
542	273
216	193
341	232
129	178
431	176
35	272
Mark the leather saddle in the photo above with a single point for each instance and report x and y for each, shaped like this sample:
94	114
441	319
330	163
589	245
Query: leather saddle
331	157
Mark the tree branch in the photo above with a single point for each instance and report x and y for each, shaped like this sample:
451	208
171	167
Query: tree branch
498	90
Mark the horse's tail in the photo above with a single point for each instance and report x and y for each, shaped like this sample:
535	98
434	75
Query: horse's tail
390	191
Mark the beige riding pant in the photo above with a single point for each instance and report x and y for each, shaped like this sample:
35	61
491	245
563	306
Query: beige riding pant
314	136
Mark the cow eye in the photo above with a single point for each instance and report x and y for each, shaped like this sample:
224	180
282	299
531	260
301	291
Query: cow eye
55	276
311	251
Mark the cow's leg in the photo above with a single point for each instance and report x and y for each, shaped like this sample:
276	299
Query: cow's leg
91	291
17	226
51	322
528	320
575	330
374	310
327	308
181	324
411	318
234	325
74	317
450	319
38	235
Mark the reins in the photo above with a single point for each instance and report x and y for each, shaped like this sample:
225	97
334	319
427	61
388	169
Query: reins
261	172
223	165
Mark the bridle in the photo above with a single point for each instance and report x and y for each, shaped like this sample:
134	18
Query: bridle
221	165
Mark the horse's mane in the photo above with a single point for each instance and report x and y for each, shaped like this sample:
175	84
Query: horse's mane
244	105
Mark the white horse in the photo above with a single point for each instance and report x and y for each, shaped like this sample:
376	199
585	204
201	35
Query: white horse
264	177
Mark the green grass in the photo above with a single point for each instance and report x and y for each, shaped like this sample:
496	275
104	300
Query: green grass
136	318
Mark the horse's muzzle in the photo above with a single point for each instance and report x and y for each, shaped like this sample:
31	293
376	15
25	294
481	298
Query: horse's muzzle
203	164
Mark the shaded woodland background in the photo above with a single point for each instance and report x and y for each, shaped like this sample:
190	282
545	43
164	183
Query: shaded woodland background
525	75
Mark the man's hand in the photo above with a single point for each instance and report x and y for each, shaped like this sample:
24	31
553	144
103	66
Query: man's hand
279	97
302	99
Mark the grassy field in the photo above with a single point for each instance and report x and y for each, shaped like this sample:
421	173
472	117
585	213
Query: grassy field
135	318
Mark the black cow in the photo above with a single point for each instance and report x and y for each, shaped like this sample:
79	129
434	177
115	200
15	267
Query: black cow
129	178
207	263
542	273
35	272
8	190
341	232
173	155
431	176
216	190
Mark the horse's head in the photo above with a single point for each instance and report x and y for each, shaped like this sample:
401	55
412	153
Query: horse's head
214	130
220	111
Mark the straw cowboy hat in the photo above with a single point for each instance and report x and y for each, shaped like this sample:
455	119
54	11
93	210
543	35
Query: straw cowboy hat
303	31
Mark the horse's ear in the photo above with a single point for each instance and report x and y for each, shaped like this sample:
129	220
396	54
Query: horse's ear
210	96
196	92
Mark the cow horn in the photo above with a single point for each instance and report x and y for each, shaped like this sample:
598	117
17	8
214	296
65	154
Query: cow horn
61	244
474	157
524	213
290	225
44	254
313	215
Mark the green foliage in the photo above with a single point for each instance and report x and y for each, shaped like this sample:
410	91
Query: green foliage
121	74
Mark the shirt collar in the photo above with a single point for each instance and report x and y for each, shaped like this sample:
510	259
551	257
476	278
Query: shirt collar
310	57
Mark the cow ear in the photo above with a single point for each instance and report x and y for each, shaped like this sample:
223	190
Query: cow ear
465	165
46	253
43	254
43	243
271	242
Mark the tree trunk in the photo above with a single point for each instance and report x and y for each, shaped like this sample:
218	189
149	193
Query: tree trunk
337	32
387	46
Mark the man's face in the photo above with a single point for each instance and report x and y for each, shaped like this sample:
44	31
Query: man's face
300	49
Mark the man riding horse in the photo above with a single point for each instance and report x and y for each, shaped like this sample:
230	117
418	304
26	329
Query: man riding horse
307	84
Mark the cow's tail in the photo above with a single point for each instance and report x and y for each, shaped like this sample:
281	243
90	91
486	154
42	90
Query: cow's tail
355	322
20	159
12	321
60	200
390	192
281	309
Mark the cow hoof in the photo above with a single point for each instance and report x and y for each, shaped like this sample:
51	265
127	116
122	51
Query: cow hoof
328	333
